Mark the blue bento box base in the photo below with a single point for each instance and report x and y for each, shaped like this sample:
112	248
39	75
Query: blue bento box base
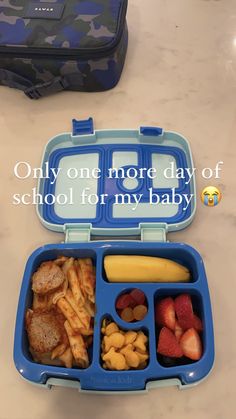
95	378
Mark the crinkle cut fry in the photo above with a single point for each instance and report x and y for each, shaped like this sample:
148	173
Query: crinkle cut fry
67	265
87	277
75	286
77	346
80	311
69	314
67	358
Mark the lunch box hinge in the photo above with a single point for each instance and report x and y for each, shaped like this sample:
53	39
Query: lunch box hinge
153	233
77	234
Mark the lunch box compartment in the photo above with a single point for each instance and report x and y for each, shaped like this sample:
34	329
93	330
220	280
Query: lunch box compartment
127	291
106	296
124	149
198	309
41	256
180	255
128	327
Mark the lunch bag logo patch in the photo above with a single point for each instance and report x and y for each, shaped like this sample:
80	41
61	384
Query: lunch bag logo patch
44	11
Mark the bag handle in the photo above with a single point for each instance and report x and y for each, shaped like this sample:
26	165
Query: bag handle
54	85
11	79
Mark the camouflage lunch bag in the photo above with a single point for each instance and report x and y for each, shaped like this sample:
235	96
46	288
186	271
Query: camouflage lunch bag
54	45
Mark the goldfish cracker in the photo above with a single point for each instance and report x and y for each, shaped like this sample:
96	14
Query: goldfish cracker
111	328
108	365
127	348
132	359
142	357
140	342
116	340
115	360
139	312
127	314
130	337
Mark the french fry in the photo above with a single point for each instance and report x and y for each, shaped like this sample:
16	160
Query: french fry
60	260
58	351
80	311
67	358
67	265
61	292
90	308
75	286
87	277
69	314
86	332
91	298
40	302
77	346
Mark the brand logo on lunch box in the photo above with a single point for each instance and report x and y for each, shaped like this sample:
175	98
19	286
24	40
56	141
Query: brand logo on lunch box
44	11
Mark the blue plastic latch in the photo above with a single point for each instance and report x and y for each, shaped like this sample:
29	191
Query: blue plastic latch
151	131
82	127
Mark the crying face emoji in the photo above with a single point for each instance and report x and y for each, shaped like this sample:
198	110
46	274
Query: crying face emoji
211	196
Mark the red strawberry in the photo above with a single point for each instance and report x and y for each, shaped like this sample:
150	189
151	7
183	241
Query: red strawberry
123	301
184	311
178	331
138	296
165	313
191	344
168	344
197	323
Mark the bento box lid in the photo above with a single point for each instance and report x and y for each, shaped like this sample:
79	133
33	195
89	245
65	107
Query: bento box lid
117	182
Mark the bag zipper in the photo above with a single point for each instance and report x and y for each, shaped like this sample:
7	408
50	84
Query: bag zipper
85	53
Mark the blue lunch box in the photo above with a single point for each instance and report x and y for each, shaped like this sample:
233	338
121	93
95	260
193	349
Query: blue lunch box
129	150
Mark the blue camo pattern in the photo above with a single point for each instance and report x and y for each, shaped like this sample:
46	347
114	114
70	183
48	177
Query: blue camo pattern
84	24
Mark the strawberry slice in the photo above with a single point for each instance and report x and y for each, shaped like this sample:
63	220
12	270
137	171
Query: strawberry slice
168	344
123	301
191	344
165	313
178	331
184	311
197	323
138	296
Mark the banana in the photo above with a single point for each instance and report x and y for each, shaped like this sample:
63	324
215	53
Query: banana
129	268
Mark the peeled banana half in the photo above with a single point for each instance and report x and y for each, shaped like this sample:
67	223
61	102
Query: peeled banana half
129	268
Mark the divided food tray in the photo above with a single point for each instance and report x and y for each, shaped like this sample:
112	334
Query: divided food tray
125	157
95	378
122	149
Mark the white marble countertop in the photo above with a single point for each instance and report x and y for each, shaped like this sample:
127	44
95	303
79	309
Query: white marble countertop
180	74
